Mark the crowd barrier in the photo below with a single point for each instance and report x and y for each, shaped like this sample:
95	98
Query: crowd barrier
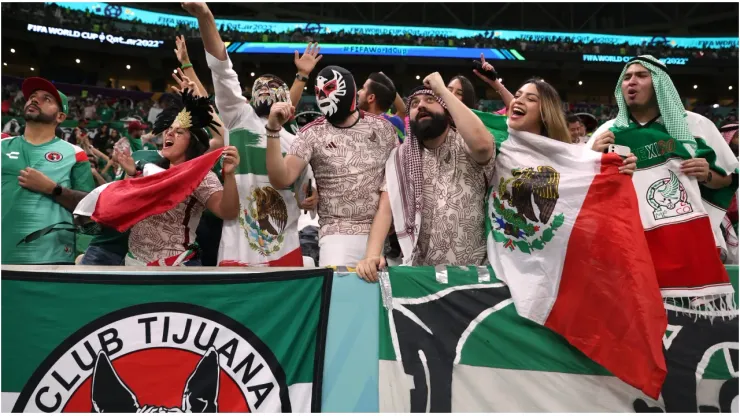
351	356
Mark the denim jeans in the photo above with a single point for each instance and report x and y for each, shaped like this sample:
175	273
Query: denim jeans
96	256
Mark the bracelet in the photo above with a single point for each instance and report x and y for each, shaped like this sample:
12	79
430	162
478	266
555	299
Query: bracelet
301	78
186	66
273	136
271	130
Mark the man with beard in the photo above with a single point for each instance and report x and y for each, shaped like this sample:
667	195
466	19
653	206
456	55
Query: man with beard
436	185
44	177
265	233
376	97
347	150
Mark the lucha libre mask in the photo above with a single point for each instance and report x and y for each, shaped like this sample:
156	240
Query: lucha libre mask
336	93
267	90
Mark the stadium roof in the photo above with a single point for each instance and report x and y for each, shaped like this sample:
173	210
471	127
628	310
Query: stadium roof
677	19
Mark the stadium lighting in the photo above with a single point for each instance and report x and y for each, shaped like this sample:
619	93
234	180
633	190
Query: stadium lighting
696	86
251	74
715	106
418	77
32	69
730	88
174	71
5	64
305	88
128	66
124	87
12	50
580	82
77	60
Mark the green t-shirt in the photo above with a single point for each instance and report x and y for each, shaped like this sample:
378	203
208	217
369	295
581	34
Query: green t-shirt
110	239
106	114
25	212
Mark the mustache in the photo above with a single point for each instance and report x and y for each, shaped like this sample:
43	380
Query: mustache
423	113
32	105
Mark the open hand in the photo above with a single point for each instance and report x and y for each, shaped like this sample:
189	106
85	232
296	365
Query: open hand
181	50
184	83
307	62
126	162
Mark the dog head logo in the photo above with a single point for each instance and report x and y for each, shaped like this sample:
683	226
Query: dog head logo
110	394
159	358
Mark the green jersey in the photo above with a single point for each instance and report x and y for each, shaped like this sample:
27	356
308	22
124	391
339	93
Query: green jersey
25	212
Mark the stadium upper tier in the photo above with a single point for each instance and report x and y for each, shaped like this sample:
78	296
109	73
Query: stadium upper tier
104	19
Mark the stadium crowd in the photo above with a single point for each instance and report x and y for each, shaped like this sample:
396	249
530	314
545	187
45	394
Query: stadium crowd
230	181
53	15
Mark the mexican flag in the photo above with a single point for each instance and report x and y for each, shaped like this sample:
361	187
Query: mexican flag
265	233
564	233
451	340
225	342
122	204
673	207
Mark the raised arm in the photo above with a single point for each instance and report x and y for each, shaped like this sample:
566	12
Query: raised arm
184	81
400	107
231	104
496	84
478	139
284	171
304	66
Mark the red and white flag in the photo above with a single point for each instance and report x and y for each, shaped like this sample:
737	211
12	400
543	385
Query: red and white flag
564	233
122	204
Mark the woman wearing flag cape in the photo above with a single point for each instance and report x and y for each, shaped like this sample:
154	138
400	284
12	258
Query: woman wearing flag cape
163	204
534	112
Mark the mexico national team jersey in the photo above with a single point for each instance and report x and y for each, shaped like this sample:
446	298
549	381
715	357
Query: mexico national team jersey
25	212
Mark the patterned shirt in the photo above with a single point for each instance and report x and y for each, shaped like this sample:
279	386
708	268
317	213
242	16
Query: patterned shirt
170	233
453	207
349	167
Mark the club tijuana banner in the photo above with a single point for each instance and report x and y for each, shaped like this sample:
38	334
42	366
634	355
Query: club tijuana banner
163	342
452	341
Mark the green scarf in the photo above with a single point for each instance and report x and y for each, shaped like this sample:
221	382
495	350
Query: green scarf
669	102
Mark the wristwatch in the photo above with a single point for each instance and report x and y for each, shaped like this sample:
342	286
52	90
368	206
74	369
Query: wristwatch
57	190
301	78
708	179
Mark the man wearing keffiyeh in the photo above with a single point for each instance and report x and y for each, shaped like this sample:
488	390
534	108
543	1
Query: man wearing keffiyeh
435	185
683	179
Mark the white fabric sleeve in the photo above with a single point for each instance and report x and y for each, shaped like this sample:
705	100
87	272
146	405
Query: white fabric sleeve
604	127
233	108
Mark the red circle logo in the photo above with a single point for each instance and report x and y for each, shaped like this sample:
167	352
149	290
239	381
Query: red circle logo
156	358
53	156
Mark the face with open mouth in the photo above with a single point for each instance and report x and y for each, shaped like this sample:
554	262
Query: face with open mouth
524	111
427	117
175	141
637	86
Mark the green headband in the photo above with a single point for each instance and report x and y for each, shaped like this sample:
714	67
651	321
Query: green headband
669	102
